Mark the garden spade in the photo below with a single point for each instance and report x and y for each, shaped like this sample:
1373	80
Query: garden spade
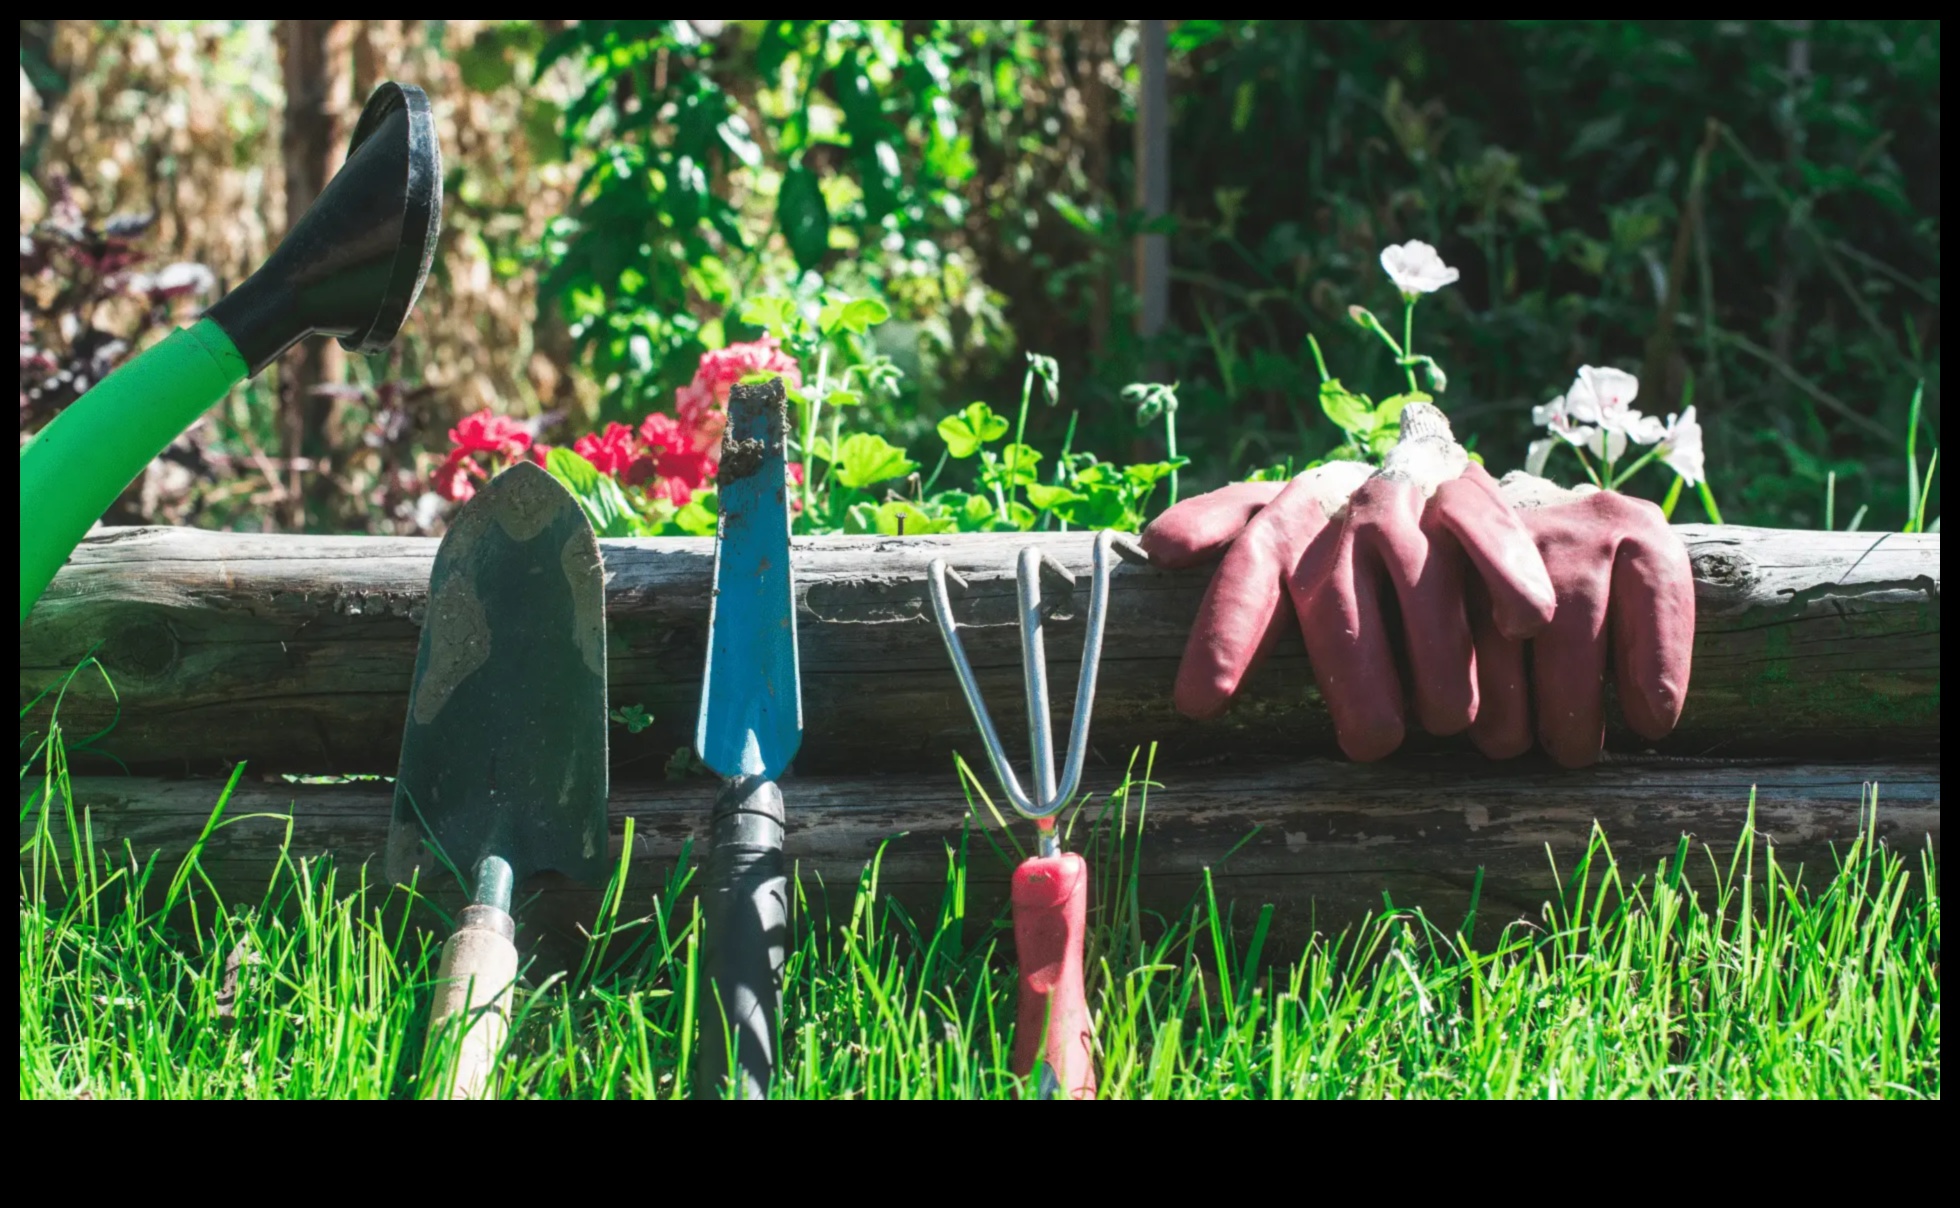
750	726
503	766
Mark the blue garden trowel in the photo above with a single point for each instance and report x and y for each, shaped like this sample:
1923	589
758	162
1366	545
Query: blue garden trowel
751	725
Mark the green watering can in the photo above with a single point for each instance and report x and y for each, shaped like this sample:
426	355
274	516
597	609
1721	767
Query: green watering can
351	268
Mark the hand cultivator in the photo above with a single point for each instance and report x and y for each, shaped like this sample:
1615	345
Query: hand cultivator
1051	888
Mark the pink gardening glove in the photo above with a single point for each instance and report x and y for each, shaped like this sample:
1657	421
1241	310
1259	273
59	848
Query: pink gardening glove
1418	532
1622	578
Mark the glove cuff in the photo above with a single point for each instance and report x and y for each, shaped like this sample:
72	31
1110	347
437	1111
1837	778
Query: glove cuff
1330	483
1427	456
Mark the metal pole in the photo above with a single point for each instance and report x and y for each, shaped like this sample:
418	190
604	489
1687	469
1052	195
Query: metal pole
1153	146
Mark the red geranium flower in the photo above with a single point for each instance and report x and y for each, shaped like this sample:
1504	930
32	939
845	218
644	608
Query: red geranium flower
486	432
610	452
452	478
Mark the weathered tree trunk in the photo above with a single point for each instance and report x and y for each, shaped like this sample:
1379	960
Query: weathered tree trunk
295	653
315	61
1324	834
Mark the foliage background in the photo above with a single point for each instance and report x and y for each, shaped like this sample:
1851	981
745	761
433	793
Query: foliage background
616	191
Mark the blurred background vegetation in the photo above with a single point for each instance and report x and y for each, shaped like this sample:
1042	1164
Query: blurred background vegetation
1746	210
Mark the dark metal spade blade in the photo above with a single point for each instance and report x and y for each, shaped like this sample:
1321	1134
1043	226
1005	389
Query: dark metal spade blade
504	753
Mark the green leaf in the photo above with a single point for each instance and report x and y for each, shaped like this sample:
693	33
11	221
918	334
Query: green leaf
1148	474
967	430
1350	412
805	221
634	717
1013	467
1073	214
697	518
1390	409
858	315
777	316
976	514
1384	438
842	398
1020	518
1046	498
863	459
863	314
601	498
1101	507
861	519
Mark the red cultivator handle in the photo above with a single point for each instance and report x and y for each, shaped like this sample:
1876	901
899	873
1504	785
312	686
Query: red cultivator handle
1053	1039
1051	1031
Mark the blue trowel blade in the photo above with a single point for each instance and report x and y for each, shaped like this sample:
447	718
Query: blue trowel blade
751	699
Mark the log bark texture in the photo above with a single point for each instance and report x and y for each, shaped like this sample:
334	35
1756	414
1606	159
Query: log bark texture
295	653
1324	839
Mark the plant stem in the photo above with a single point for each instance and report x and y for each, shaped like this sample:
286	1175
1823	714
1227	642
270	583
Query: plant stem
1912	452
1170	439
1925	490
810	430
1585	463
1708	502
1064	468
1673	497
1408	339
927	489
836	422
1629	472
1320	362
1020	431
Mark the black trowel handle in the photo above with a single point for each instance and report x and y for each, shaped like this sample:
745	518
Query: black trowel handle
745	913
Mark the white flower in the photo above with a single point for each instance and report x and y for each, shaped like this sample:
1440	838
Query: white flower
1644	429
1557	416
1681	447
1536	456
1416	268
1607	444
1602	396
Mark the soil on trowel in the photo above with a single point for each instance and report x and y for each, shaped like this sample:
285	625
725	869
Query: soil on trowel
739	459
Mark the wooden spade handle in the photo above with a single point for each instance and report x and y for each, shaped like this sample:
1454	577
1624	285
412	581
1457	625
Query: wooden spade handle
479	967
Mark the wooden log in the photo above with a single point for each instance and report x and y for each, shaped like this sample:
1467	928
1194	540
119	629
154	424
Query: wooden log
295	653
1324	840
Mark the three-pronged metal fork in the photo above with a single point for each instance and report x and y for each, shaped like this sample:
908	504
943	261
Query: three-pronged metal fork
1051	888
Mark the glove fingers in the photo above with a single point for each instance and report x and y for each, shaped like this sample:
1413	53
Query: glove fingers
1339	606
1427	577
1568	664
1500	548
1199	528
1653	628
1502	729
1244	609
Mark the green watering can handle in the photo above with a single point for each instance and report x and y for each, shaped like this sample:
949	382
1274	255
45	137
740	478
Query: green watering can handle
75	467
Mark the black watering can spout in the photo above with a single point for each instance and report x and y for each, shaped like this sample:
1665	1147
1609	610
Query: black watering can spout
354	263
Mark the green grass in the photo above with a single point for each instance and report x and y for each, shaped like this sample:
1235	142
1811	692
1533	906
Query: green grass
137	982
